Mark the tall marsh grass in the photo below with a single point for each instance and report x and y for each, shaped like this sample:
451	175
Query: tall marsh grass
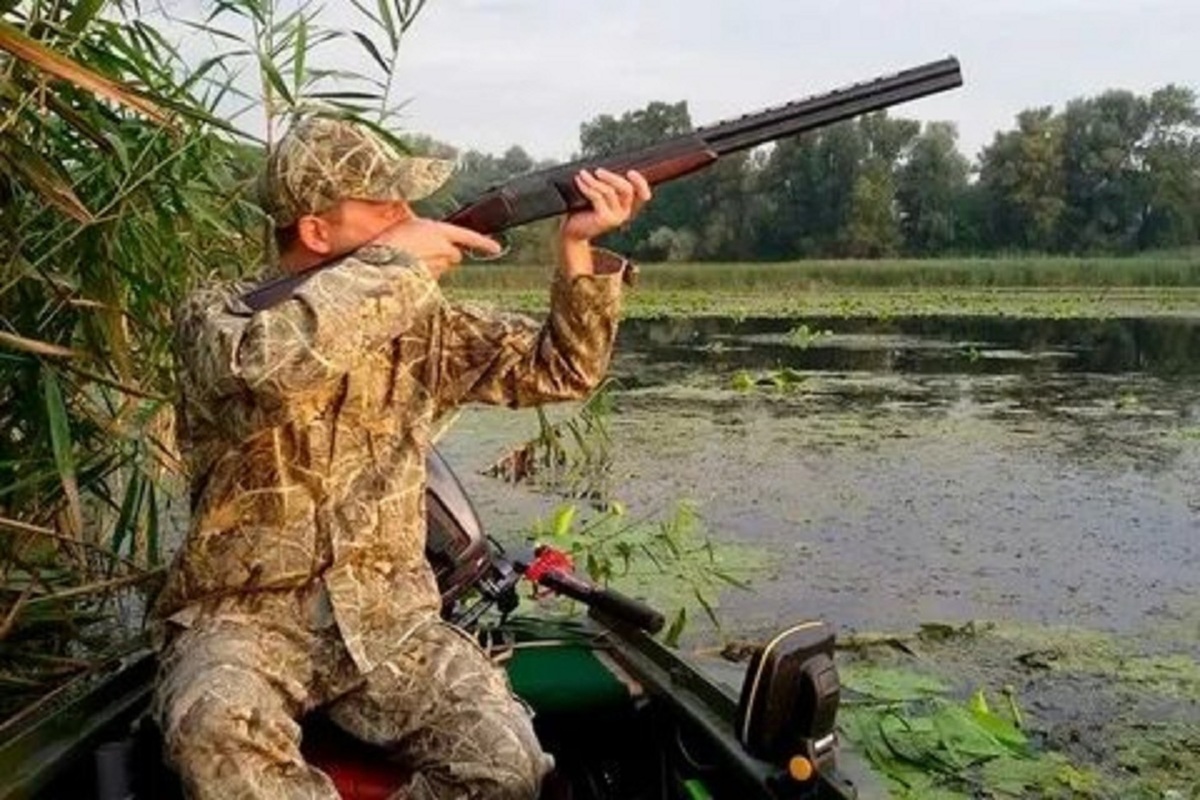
1166	270
121	188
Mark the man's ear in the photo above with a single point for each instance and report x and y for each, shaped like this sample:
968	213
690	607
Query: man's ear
313	232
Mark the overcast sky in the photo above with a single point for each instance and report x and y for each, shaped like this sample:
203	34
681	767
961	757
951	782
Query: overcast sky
487	74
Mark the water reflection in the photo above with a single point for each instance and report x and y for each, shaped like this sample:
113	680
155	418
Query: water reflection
1073	368
973	345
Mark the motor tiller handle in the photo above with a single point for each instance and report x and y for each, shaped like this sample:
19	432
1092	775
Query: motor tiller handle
553	570
611	602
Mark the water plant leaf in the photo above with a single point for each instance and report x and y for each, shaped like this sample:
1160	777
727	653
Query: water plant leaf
1001	730
153	557
732	580
709	610
388	23
564	518
891	685
300	50
968	736
978	702
742	381
930	745
671	637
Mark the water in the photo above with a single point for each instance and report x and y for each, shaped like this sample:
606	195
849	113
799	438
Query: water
909	470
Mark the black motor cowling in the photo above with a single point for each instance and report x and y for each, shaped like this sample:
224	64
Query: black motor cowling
455	543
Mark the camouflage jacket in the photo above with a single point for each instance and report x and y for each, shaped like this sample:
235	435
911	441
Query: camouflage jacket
306	426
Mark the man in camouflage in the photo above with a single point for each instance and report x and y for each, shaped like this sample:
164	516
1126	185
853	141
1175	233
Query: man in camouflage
302	583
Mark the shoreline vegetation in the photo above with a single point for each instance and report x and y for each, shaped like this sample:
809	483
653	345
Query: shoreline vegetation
1047	287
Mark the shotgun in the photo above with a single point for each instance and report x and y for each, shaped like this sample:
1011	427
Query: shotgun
550	192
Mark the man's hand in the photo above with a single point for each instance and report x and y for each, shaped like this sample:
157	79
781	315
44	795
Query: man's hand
616	199
439	245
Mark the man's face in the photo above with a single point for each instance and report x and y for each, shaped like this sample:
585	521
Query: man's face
353	223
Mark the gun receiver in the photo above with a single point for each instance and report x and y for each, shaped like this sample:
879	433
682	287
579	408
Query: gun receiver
551	192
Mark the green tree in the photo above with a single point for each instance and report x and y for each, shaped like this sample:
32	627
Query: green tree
872	225
722	215
478	171
1022	175
872	229
832	192
806	190
1104	185
887	139
931	189
1117	172
606	135
1170	155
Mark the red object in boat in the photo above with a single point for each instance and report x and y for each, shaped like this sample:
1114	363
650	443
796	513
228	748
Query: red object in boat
359	771
547	559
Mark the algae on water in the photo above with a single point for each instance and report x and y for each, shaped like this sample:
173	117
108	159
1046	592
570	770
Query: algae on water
914	707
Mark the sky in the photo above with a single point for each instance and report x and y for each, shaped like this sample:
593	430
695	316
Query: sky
486	74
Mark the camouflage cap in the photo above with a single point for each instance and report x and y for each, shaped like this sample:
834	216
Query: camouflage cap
321	161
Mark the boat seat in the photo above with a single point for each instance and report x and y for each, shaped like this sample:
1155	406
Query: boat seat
364	772
359	771
566	678
569	678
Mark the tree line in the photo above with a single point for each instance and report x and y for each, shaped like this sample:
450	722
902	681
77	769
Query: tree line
1116	173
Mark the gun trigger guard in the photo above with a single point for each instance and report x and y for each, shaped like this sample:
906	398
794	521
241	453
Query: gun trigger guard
505	249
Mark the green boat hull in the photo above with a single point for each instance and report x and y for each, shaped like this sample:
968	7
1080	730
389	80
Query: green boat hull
624	717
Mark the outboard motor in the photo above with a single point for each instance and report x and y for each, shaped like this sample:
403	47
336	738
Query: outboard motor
455	544
788	706
474	573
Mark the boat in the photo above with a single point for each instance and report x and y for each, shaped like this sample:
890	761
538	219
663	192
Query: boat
625	716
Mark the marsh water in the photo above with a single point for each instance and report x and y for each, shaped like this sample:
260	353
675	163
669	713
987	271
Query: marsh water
909	470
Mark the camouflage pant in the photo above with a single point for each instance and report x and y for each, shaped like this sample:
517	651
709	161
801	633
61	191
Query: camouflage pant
231	690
